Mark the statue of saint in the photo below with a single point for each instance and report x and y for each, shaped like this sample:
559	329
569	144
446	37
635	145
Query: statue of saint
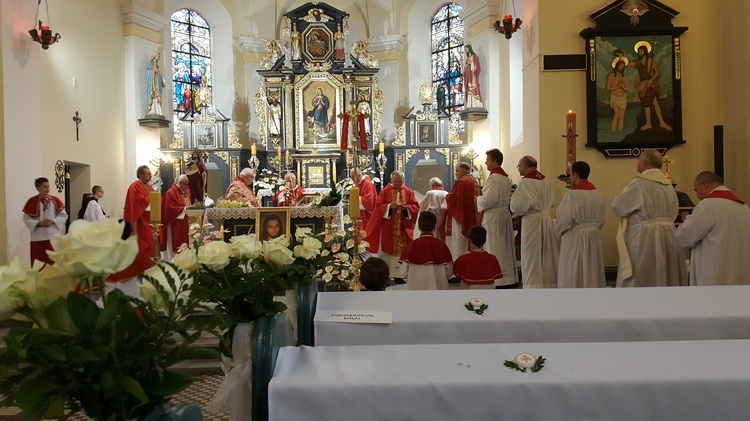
295	37
154	85
472	68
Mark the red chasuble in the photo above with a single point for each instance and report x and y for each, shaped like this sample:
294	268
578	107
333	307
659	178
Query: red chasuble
426	250
297	194
461	206
174	204
367	198
32	205
136	202
397	231
477	268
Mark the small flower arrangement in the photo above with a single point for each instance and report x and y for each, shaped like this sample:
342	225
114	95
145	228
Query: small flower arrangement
267	179
340	245
346	184
110	362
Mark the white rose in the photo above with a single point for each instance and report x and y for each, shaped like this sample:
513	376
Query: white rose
278	240
277	254
53	282
17	285
158	274
309	249
187	260
94	248
215	255
302	232
245	246
149	293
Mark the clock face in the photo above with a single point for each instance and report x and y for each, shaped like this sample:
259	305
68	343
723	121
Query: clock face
525	360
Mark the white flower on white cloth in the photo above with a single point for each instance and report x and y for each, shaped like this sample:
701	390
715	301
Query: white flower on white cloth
309	249
94	248
158	274
187	260
215	255
476	302
17	285
302	232
277	254
246	246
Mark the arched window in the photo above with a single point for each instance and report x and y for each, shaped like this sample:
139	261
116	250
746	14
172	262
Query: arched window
447	36
191	61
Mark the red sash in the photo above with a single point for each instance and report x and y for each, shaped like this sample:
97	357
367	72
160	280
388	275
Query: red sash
499	170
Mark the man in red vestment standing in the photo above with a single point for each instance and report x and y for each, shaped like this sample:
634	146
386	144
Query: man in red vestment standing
391	227
176	224
44	215
460	212
138	210
367	196
291	194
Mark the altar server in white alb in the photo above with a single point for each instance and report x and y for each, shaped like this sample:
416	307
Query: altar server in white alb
44	215
718	232
649	253
532	201
496	218
580	216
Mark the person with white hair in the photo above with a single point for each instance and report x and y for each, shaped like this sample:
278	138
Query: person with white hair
718	231
647	208
433	200
176	225
239	190
367	196
291	194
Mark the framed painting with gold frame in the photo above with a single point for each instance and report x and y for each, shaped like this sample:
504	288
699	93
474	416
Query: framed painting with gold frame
318	97
272	223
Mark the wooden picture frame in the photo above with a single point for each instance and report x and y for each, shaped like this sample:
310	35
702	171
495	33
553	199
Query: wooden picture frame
319	97
272	223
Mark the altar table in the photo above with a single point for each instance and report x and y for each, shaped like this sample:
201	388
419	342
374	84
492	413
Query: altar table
540	315
675	380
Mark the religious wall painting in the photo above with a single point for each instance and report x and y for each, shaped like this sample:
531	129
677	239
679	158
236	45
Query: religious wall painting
318	42
205	136
319	97
426	133
273	223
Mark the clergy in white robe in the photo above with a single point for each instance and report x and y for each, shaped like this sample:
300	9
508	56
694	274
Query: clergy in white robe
494	203
433	200
44	215
93	211
532	201
649	253
580	217
718	231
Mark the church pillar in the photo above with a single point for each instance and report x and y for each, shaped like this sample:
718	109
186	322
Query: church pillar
492	50
388	50
143	32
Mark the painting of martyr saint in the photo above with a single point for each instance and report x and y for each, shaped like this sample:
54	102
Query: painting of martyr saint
318	42
637	97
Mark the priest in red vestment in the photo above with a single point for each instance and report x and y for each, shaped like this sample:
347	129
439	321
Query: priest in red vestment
138	210
391	227
291	194
44	215
367	196
173	217
239	190
460	213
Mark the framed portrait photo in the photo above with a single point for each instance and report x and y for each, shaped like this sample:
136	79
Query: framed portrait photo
272	223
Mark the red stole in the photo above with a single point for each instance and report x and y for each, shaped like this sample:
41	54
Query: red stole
397	231
584	185
461	207
32	205
426	250
174	204
724	194
499	170
536	175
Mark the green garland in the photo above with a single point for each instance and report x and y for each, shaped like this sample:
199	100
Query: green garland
479	311
538	365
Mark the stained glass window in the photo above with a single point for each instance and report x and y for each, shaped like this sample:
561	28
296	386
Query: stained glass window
447	38
191	61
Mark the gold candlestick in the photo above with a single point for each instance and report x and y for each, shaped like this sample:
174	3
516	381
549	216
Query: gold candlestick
570	149
157	249
356	262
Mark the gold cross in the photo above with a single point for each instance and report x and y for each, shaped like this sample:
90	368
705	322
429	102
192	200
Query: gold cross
667	161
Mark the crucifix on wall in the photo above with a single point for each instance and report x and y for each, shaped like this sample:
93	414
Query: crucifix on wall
77	120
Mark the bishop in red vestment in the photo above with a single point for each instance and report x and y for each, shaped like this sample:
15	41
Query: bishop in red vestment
176	223
138	210
367	196
391	227
460	213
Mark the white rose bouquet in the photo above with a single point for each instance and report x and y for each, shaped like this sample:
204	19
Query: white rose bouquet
338	273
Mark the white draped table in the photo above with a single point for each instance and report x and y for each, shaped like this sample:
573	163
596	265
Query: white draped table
541	315
693	380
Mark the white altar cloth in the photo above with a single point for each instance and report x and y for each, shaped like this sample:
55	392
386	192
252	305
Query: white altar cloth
549	315
694	380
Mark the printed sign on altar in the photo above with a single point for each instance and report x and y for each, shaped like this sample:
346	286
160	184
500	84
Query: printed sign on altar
347	316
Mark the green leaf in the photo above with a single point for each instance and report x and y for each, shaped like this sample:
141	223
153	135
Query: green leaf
108	314
132	386
83	311
58	316
32	394
171	383
55	408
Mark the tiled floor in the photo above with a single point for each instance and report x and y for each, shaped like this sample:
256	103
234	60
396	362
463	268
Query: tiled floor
199	393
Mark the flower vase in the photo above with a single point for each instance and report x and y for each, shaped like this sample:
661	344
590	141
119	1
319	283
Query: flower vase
236	389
